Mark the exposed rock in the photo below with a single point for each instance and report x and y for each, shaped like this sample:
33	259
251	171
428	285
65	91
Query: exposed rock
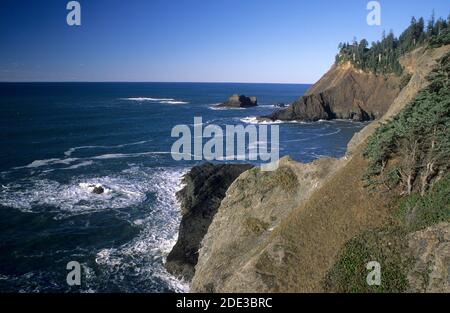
343	93
254	206
98	190
418	63
239	101
285	236
430	250
205	187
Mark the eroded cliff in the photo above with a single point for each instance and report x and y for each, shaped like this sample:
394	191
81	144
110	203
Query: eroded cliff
205	187
344	93
282	231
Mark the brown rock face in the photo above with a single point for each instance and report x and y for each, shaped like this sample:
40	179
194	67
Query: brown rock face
205	187
255	204
430	249
344	93
279	232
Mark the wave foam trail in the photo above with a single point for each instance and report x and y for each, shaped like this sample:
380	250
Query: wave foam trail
72	150
158	100
141	260
148	99
86	161
255	120
144	257
75	197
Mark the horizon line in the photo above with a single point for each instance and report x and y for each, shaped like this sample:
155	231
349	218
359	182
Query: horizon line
156	82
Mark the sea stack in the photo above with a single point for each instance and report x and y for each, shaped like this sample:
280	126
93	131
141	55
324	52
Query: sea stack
239	101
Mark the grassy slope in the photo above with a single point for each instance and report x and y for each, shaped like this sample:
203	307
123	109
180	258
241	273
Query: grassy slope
414	212
313	235
388	245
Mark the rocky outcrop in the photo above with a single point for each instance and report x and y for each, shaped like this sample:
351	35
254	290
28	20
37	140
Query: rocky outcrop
281	231
430	252
205	187
255	204
98	190
239	101
343	93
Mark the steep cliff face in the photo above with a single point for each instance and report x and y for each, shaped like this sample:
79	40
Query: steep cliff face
254	206
344	93
286	238
205	187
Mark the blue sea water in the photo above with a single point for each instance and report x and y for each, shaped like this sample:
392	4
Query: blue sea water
59	138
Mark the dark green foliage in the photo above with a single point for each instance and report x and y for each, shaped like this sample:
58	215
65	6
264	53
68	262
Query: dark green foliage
383	56
410	152
417	138
385	246
441	39
417	212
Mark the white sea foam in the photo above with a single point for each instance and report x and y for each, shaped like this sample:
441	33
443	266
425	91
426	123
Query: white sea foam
87	160
46	162
148	99
158	100
72	167
255	120
72	150
137	265
75	197
329	134
145	255
216	107
173	102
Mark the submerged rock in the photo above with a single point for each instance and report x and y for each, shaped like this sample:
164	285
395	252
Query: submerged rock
205	187
98	190
240	101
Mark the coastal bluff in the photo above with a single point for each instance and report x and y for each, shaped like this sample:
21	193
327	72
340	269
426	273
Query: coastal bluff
283	231
205	187
344	92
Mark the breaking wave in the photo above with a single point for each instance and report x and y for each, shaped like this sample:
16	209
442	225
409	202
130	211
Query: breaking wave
255	120
157	100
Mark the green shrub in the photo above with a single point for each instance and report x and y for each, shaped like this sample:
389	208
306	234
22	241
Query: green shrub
418	136
417	212
385	246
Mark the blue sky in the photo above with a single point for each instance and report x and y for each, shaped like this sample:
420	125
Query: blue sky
189	40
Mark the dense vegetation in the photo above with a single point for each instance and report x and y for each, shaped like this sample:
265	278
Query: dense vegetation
412	150
383	56
410	155
417	212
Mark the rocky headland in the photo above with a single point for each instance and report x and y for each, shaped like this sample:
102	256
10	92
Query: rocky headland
299	228
344	92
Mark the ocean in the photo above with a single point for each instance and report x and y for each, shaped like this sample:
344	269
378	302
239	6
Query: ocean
58	139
